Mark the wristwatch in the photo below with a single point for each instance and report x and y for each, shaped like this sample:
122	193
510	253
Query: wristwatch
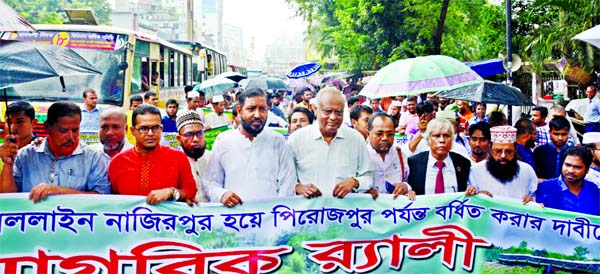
175	196
356	183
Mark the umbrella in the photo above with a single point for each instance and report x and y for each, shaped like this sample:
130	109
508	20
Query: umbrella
488	92
328	79
303	70
11	20
265	83
297	84
420	75
591	36
23	62
234	76
215	86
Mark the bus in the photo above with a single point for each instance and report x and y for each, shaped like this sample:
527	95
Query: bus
131	63
206	62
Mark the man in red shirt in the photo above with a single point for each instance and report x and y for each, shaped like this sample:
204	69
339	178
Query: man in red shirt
159	172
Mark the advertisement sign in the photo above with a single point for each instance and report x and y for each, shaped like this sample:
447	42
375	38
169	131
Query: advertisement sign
74	39
434	234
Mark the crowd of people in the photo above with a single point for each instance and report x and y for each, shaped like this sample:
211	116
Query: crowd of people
335	145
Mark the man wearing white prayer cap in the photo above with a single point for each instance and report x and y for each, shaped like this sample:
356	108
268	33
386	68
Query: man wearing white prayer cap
218	118
195	101
502	174
394	112
592	141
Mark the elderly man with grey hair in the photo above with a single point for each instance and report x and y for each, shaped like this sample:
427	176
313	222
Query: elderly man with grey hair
113	127
330	159
438	170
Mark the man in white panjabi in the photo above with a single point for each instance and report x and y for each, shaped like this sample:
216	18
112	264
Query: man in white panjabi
502	174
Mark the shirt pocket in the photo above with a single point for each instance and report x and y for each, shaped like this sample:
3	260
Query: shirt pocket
344	168
74	181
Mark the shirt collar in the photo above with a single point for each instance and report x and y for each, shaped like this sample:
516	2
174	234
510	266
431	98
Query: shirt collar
45	148
316	132
93	110
564	187
432	161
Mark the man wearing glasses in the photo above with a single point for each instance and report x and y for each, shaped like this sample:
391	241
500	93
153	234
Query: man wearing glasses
192	140
159	172
502	174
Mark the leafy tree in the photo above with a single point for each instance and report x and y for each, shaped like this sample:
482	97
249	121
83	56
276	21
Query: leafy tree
543	30
369	34
581	253
50	11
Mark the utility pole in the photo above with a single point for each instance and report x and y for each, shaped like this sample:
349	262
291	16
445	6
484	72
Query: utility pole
190	20
509	54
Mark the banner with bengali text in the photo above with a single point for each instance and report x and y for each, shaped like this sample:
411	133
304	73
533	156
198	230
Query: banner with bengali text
434	234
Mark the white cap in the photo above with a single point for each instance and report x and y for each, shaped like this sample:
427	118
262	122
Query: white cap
193	94
504	134
396	103
591	138
218	98
404	102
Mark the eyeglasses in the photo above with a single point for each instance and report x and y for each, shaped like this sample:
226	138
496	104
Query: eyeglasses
145	129
507	152
190	135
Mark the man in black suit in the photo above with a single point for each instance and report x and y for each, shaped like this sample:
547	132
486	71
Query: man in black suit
438	170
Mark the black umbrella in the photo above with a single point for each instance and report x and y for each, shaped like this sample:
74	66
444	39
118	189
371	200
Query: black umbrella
264	83
233	76
490	93
12	20
23	62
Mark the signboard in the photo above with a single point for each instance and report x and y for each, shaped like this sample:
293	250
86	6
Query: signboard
434	234
74	39
89	137
211	135
170	139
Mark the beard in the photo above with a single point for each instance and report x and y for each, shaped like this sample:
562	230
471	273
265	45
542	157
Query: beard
503	170
383	147
195	153
253	130
596	162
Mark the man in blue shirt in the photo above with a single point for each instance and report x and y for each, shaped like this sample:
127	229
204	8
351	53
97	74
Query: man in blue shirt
592	112
90	114
547	157
60	165
168	121
570	191
526	136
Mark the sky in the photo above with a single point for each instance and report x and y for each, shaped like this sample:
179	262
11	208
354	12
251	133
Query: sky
262	19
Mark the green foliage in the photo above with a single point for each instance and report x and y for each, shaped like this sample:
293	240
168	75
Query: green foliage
581	253
50	11
543	30
297	262
369	34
